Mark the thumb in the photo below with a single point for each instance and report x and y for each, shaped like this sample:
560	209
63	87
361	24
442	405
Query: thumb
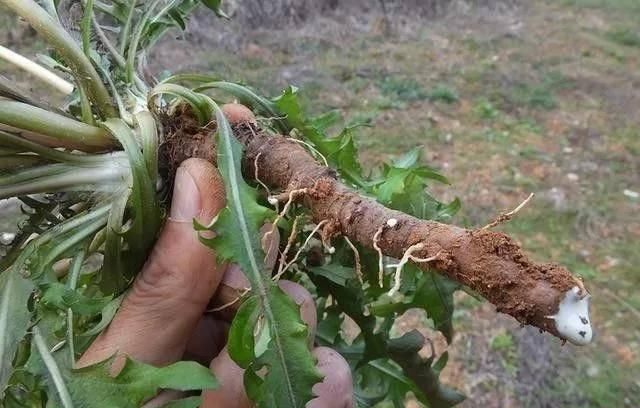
171	292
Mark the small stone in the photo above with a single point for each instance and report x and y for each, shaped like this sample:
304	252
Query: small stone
567	150
573	177
631	194
391	222
6	238
593	371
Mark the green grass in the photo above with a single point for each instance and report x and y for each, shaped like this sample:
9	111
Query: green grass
504	344
443	93
403	89
486	110
541	94
410	90
610	5
625	36
601	384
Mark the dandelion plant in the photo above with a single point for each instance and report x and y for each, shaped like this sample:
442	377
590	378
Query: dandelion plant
95	177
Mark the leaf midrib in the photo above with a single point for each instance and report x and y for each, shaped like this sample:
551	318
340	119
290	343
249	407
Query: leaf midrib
255	271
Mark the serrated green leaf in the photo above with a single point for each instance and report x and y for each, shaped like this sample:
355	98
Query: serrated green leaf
290	366
14	319
433	294
242	332
95	387
189	402
439	365
59	296
425	382
336	273
107	314
329	326
394	183
409	159
215	6
326	120
339	151
445	212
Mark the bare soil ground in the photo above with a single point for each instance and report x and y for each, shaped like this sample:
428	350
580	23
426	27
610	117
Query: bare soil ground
538	97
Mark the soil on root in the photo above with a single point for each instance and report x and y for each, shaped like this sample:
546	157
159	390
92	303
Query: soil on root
488	262
184	138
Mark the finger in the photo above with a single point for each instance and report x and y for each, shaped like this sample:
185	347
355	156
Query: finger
228	297
336	389
207	340
172	291
231	392
238	114
163	398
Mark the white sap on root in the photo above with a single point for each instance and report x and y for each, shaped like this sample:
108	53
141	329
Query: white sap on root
572	320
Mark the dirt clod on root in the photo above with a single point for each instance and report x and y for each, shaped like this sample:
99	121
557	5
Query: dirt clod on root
184	138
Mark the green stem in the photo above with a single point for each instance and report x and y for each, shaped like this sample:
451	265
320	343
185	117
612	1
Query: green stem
109	179
34	173
17	161
66	46
86	28
72	283
50	6
52	367
25	145
133	46
124	114
73	240
9	151
148	135
114	272
55	130
117	57
78	221
124	35
85	107
111	10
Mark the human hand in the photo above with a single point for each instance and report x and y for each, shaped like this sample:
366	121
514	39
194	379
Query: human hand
162	319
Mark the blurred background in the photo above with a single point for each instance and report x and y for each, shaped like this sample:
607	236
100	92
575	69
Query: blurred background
506	97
